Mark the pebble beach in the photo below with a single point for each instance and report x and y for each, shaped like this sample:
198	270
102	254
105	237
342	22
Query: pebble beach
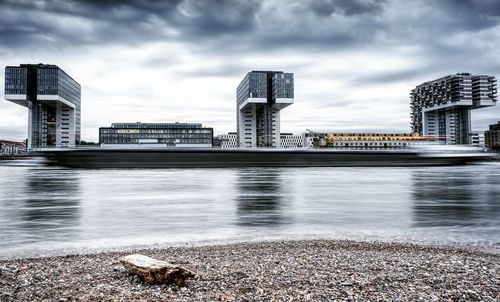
310	270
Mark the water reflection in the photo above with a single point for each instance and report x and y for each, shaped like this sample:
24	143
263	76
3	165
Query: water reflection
463	198
259	197
52	201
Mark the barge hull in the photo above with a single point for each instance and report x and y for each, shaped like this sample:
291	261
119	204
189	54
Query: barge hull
210	158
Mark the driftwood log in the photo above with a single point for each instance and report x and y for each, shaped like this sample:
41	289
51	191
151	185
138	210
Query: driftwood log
155	271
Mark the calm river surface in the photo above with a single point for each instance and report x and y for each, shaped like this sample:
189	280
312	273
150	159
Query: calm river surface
46	210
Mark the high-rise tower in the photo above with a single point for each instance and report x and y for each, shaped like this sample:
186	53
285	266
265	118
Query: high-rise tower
53	100
441	108
259	99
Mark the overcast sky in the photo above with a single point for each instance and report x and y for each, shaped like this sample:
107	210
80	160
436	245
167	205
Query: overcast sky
355	61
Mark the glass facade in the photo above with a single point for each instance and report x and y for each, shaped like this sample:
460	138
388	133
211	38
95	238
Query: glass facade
442	108
16	80
260	97
53	100
169	134
282	86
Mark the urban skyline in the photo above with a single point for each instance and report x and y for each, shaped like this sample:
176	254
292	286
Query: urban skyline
355	62
439	108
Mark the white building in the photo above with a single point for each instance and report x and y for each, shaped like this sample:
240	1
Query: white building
308	139
288	140
477	139
228	141
8	148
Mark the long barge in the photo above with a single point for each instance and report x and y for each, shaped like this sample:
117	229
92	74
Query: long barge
216	158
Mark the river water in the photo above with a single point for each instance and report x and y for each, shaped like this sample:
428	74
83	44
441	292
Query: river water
47	210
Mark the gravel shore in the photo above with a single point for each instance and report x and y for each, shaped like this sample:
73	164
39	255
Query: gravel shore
318	270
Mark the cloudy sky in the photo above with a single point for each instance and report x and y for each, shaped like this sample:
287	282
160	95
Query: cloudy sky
355	62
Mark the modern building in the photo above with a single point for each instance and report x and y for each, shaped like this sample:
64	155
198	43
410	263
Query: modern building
308	139
227	141
492	136
476	139
53	101
288	140
9	148
260	97
441	108
156	135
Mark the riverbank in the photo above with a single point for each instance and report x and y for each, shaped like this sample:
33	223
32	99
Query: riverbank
319	270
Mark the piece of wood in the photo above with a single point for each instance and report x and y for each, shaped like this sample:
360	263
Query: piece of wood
155	271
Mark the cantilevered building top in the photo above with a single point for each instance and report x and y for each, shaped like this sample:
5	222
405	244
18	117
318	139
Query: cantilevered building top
259	98
461	89
53	100
442	107
274	88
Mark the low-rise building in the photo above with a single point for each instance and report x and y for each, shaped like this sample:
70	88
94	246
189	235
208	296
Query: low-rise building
477	139
226	141
369	140
156	135
308	139
9	148
492	136
288	140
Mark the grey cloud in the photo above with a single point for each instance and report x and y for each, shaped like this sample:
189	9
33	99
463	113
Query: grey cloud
215	17
125	22
76	23
221	26
390	77
347	7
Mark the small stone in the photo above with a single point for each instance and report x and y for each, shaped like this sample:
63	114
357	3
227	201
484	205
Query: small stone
225	296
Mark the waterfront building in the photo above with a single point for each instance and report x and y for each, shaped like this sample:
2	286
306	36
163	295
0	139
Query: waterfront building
227	141
156	135
260	97
53	101
9	148
288	140
477	139
308	139
441	108
492	136
368	140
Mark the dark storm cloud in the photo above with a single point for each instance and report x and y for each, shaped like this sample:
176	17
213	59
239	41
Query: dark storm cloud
215	17
76	23
107	22
235	28
231	24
